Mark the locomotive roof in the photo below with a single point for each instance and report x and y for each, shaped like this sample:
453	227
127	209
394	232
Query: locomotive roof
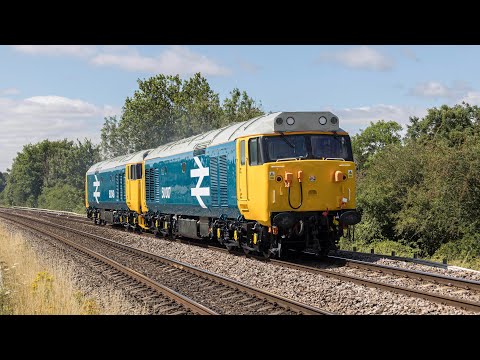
265	124
119	161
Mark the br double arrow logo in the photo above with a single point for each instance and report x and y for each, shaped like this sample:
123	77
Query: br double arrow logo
96	193
201	172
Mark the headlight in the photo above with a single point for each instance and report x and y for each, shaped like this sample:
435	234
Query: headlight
322	120
290	121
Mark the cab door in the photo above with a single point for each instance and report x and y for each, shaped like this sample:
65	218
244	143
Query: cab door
242	190
133	176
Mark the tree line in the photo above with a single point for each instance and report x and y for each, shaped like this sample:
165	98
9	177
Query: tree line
167	108
164	108
422	190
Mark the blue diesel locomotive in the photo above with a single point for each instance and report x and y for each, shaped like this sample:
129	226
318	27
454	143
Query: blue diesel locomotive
278	181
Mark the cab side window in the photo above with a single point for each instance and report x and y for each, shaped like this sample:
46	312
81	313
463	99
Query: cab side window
242	152
253	152
135	171
139	171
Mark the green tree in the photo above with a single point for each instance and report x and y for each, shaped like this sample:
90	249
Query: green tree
166	108
111	138
422	194
451	123
63	197
3	180
373	139
48	164
239	107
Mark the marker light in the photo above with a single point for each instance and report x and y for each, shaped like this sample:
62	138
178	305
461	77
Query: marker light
334	120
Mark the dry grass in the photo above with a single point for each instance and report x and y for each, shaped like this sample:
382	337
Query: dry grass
33	287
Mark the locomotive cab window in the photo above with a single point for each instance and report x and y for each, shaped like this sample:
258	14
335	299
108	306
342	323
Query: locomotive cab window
242	152
139	171
321	146
285	147
254	156
331	146
184	167
135	171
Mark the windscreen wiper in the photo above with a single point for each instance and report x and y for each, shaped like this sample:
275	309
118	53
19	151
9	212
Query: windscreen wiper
337	137
285	139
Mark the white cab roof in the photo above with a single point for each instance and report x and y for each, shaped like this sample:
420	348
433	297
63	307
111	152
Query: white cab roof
266	124
119	161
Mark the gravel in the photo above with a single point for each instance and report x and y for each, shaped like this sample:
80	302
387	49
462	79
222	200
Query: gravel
316	290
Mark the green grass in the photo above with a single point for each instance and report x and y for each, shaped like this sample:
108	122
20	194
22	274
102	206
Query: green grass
453	256
381	247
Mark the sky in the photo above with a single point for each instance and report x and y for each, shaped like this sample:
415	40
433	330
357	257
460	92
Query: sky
65	91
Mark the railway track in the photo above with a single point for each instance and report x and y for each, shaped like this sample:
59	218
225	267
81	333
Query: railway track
423	277
407	273
221	294
377	268
84	220
166	300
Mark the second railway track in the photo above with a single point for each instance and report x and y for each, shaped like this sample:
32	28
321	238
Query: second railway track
398	275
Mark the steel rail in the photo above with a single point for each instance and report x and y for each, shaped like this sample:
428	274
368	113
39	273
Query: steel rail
414	274
263	294
171	294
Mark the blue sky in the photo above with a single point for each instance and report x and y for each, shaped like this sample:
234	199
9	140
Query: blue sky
64	91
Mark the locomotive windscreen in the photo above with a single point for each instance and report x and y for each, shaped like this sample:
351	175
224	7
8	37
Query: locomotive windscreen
307	147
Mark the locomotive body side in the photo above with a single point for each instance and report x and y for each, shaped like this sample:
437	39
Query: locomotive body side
112	195
106	189
193	183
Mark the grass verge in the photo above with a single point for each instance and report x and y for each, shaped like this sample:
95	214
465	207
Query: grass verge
31	286
386	248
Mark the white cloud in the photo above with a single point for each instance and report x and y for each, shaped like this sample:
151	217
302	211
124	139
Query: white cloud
70	50
174	60
9	91
431	89
472	98
409	53
435	89
354	119
248	66
362	57
47	117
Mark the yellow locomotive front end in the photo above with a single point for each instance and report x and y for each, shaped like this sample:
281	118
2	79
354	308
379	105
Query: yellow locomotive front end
298	186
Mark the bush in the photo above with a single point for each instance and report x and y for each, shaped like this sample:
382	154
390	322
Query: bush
463	252
62	197
423	194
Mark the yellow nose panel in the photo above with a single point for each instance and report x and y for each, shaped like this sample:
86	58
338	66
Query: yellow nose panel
326	184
